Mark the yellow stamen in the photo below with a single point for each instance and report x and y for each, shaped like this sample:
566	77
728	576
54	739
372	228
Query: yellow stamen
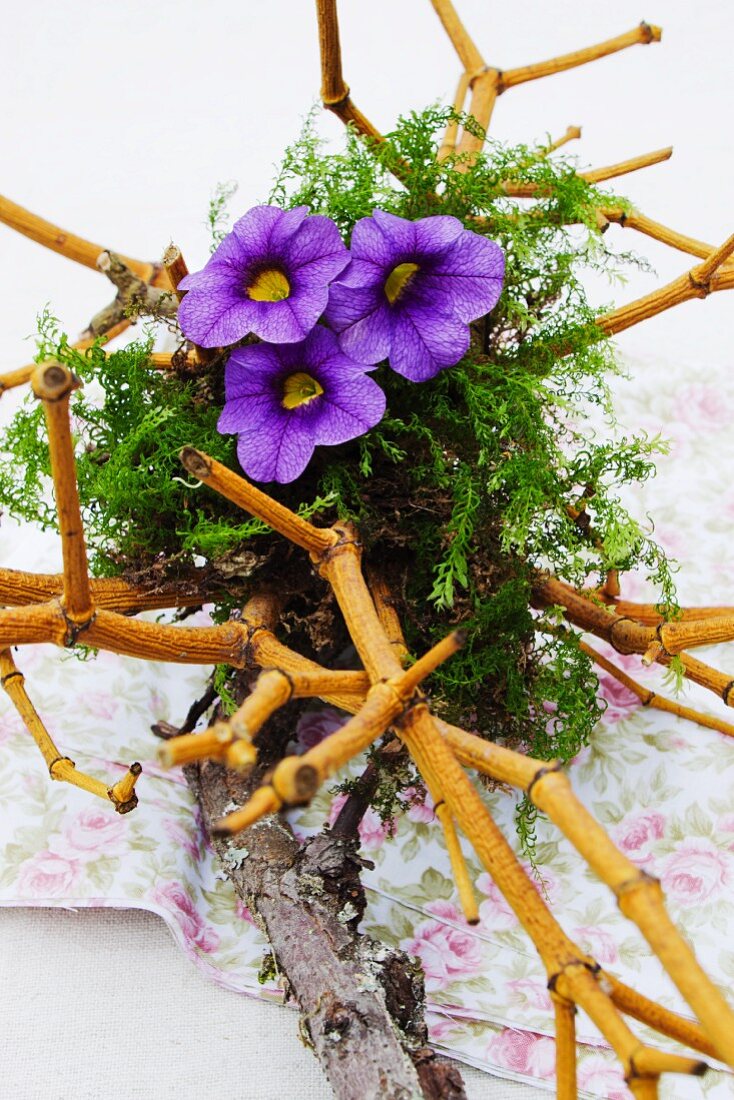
399	278
299	389
269	285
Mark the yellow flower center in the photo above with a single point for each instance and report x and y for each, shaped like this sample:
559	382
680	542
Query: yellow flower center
269	285
299	389
399	278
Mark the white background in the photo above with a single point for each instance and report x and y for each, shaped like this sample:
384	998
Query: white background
117	122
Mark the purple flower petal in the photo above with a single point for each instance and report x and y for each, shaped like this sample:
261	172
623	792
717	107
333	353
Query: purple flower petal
270	252
317	251
424	343
280	452
255	231
411	290
215	318
362	318
276	442
468	277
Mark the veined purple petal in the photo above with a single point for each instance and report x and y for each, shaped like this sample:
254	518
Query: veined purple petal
275	443
399	232
251	372
214	276
437	233
424	343
280	452
255	230
291	320
411	290
215	318
247	412
363	273
350	409
362	319
316	251
269	252
370	243
467	278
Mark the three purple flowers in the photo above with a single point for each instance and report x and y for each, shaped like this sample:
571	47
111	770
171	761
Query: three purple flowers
404	291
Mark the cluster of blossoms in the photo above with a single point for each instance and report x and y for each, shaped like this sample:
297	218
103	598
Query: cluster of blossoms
404	292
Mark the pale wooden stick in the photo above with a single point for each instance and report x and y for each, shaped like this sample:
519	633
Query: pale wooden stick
121	794
448	145
565	1021
528	190
68	244
257	503
649	698
696	283
176	270
334	90
54	384
572	134
642	35
462	42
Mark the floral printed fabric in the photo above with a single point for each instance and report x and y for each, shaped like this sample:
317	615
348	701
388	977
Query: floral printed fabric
661	786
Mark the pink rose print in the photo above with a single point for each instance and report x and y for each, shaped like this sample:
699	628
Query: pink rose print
95	831
495	915
602	1078
419	805
372	831
48	875
174	898
530	992
637	833
446	953
702	407
696	872
242	911
598	942
523	1052
619	699
181	837
101	704
315	725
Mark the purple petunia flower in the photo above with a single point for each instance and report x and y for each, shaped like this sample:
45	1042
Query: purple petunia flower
411	290
285	399
269	276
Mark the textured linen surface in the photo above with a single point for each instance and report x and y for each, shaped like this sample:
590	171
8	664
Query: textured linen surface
661	786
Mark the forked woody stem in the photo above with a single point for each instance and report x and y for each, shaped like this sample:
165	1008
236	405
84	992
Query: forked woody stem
565	1023
69	244
53	384
176	270
121	794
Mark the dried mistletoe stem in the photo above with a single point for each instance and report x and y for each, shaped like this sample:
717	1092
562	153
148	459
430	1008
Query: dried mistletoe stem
112	593
448	145
699	282
572	134
594	175
53	385
633	219
121	794
650	698
67	244
176	270
661	1019
257	503
461	40
334	89
643	35
565	1027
